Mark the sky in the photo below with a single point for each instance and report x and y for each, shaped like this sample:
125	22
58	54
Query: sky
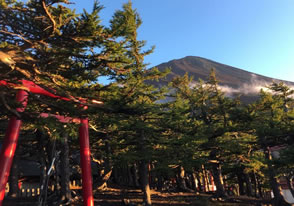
254	35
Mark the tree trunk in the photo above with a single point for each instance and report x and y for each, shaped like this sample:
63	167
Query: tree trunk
152	177
48	156
130	176
199	186
65	170
259	188
240	181
248	185
217	176
145	182
254	178
124	173
135	175
181	179
160	181
189	181
106	170
144	171
116	176
194	182
278	197
43	161
205	180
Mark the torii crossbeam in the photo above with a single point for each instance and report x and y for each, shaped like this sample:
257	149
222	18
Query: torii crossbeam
11	137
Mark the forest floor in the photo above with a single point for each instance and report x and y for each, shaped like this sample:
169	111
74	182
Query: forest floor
115	196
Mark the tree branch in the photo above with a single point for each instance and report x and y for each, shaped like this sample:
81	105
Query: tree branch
13	34
50	16
13	111
24	72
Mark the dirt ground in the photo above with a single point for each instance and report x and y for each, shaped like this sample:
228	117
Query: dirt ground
115	197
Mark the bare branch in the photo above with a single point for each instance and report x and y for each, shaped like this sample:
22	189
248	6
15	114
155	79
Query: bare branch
49	15
82	101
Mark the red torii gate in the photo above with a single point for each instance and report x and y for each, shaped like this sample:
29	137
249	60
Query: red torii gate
11	137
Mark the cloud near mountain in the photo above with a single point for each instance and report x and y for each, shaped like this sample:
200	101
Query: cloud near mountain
251	88
233	81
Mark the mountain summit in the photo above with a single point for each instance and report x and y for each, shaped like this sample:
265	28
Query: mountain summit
232	80
199	67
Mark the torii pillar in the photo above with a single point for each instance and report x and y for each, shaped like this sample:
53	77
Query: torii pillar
10	143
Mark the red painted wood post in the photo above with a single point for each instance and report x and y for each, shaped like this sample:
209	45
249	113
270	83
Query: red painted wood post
10	143
85	157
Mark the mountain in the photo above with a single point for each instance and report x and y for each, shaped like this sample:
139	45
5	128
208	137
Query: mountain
233	81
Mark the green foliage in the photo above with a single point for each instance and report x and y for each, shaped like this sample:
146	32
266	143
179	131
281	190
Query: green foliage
238	149
66	53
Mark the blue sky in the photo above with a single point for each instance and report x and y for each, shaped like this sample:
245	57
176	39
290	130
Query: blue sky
254	35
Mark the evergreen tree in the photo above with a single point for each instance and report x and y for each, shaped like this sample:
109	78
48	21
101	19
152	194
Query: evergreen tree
133	101
272	125
60	50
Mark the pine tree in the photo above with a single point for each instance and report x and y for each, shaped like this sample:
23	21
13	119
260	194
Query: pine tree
59	50
272	125
183	136
133	101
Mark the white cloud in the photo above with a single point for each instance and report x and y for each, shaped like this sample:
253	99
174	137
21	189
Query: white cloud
253	87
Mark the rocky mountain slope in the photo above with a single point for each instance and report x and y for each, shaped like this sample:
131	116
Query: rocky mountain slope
233	81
